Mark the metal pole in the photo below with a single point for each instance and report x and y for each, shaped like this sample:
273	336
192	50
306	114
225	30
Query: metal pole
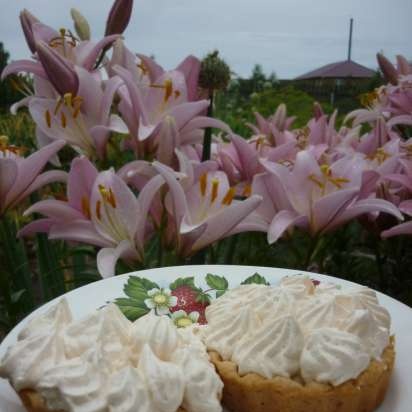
350	39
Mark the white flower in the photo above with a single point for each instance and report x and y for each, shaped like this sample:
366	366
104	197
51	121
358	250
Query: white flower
161	300
181	319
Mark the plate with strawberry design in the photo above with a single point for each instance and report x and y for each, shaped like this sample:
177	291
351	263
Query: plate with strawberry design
184	292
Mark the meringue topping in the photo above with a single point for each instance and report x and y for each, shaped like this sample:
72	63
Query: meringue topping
105	363
325	333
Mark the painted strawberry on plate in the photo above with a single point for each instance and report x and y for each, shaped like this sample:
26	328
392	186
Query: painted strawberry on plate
190	299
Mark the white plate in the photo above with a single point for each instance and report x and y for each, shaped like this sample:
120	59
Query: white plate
88	298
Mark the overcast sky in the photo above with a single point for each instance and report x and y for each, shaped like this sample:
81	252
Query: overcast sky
289	37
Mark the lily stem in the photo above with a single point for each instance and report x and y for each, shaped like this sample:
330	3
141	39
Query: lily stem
207	140
5	271
311	252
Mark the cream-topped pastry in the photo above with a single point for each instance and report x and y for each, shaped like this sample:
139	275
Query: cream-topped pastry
105	363
297	347
325	334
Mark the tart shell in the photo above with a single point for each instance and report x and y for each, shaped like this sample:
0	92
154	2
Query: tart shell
253	392
33	402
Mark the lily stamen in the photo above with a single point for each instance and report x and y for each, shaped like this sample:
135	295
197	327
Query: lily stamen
143	68
203	184
86	207
215	189
328	177
63	120
98	210
68	99
107	196
168	88
379	155
247	191
229	196
48	118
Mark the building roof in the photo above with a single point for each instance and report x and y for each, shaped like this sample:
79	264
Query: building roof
339	70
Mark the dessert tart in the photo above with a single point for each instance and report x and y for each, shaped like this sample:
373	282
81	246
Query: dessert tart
105	363
300	348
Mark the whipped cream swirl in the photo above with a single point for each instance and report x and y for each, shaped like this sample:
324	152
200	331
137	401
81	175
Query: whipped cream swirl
105	363
325	333
332	356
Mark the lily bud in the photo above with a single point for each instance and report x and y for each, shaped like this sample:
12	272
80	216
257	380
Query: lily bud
27	20
317	110
388	69
214	73
59	71
119	17
81	25
404	66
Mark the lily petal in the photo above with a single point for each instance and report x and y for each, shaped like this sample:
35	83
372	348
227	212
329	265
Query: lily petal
108	257
280	223
190	67
81	231
366	206
29	168
26	66
56	209
177	194
329	207
44	179
37	226
219	225
402	229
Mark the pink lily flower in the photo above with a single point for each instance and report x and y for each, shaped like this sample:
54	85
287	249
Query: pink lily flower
273	125
240	160
70	53
203	210
189	67
160	118
84	120
125	58
392	73
101	210
144	110
376	108
19	176
139	172
316	198
405	206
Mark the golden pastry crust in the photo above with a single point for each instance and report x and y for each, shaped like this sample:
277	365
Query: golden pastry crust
33	402
254	393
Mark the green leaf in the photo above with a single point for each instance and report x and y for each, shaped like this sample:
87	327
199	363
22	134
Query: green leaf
220	293
131	308
143	283
16	296
190	281
217	282
255	279
135	292
202	297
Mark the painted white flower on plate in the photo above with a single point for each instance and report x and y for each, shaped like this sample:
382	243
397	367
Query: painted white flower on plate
182	319
161	300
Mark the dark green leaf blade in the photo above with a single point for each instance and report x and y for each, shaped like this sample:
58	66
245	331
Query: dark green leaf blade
217	282
255	279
